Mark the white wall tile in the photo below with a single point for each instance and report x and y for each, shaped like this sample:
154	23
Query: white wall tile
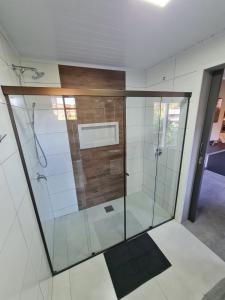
15	177
136	79
135	102
36	250
65	211
7	209
54	143
42	197
163	70
149	185
2	97
42	102
30	283
13	258
135	116
17	101
58	163
135	134
26	218
150	167
150	148
6	75
61	287
100	284
190	60
49	121
134	183
17	280
135	149
135	165
61	182
23	124
65	199
8	145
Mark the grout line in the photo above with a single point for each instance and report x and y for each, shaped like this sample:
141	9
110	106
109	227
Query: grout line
10	156
160	288
70	283
60	173
8	233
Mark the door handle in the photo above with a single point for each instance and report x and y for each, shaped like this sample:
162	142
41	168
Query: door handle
158	152
200	160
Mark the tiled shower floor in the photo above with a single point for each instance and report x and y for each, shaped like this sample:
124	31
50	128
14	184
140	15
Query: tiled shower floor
78	235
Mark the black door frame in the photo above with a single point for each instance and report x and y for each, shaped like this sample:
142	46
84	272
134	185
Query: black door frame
216	79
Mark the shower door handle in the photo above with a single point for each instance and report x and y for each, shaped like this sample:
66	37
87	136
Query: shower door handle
158	152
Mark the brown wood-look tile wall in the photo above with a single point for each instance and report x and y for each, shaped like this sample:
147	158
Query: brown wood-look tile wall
98	171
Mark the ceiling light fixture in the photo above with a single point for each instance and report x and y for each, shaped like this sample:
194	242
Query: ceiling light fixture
161	3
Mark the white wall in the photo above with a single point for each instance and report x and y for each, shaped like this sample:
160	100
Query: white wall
184	72
24	271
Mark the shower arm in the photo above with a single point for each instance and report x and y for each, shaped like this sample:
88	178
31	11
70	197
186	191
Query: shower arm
22	69
37	74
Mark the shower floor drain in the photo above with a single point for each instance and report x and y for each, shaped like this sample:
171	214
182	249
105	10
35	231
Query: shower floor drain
108	208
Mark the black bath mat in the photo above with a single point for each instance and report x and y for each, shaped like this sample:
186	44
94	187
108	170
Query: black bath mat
133	263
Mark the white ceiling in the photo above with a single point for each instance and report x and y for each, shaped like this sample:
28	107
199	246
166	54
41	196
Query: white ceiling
122	33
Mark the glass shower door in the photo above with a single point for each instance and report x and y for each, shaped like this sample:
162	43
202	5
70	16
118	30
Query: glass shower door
142	130
100	169
173	114
97	145
155	130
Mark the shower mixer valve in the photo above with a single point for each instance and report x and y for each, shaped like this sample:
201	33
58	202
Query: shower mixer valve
158	152
40	176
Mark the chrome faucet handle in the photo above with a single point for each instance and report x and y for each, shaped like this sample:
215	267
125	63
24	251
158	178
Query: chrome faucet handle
2	137
40	176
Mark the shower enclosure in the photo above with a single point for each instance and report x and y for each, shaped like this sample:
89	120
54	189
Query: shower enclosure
102	165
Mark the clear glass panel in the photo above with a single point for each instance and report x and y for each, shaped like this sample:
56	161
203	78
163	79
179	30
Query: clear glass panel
42	128
74	148
173	113
142	127
100	127
74	153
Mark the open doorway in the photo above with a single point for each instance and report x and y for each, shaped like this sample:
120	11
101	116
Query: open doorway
207	211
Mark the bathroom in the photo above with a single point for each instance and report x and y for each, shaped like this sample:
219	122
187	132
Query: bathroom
93	170
96	152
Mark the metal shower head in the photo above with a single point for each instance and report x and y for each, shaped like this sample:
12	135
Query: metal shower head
37	75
